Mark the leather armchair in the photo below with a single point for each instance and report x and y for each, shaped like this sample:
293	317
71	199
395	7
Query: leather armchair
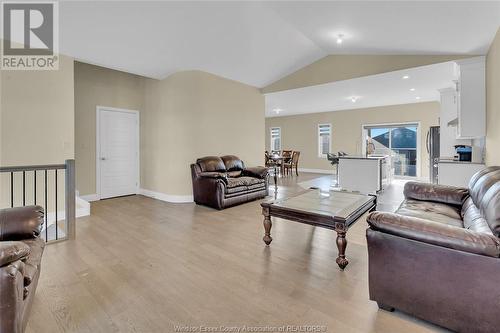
20	256
221	182
438	256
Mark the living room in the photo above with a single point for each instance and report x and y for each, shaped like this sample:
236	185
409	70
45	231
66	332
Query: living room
156	160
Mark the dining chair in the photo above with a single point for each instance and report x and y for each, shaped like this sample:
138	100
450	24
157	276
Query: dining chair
293	163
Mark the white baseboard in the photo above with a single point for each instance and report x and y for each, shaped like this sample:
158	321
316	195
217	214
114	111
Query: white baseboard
51	216
166	197
328	172
82	207
90	197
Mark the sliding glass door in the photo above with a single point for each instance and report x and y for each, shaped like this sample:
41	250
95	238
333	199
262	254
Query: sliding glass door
399	141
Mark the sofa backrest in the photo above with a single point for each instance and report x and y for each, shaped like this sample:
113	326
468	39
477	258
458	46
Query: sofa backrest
484	189
233	163
211	164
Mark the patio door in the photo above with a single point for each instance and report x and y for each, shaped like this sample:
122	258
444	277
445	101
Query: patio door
117	152
401	142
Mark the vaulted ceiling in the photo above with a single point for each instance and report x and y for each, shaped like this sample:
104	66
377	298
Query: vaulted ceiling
259	42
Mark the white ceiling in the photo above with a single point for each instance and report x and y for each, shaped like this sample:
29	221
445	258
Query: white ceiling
370	91
260	42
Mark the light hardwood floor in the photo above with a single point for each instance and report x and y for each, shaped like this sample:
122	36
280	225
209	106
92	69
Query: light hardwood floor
142	265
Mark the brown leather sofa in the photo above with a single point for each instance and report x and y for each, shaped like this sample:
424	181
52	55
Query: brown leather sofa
221	182
437	256
20	256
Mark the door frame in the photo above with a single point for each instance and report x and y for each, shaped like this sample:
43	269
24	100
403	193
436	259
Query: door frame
100	108
391	124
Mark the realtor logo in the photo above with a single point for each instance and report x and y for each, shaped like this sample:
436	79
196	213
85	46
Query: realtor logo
30	36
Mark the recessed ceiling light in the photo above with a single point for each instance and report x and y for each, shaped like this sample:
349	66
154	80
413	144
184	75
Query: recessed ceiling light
405	77
340	38
277	110
418	97
354	98
412	89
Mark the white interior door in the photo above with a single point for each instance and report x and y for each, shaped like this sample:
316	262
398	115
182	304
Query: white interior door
118	152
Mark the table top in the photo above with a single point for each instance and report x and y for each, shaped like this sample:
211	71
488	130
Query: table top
327	205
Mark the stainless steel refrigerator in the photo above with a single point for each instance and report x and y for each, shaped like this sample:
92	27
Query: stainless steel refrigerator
432	144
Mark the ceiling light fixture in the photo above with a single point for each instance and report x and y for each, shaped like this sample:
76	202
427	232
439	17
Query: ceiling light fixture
405	77
354	99
418	97
340	38
412	89
277	110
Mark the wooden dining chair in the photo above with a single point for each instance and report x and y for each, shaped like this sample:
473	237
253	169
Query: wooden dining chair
293	163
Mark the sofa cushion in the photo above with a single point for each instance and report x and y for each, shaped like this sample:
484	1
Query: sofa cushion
211	164
244	181
433	211
473	219
480	185
233	163
490	208
12	251
234	173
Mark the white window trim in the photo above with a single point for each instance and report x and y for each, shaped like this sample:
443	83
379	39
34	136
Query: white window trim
320	155
271	138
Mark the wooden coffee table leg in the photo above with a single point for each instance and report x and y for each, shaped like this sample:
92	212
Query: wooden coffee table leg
267	226
341	245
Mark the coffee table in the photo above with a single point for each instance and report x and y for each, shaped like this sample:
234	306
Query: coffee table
335	210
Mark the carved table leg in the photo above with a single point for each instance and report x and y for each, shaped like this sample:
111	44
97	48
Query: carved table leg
267	226
341	245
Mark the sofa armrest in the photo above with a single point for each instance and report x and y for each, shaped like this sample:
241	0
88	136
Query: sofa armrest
12	251
256	172
435	233
21	222
438	193
214	175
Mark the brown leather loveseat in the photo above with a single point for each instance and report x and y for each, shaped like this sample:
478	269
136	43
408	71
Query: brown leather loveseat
221	182
20	256
437	257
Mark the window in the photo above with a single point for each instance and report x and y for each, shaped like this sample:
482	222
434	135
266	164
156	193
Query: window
324	139
275	138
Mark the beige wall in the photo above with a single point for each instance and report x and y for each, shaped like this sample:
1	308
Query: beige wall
493	103
38	115
37	123
104	87
300	132
342	67
192	114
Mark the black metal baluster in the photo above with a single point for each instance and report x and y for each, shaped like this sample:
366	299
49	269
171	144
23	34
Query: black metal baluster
55	173
24	188
12	189
34	187
46	212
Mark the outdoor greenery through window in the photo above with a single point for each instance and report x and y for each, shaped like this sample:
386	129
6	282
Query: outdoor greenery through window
275	138
401	143
324	139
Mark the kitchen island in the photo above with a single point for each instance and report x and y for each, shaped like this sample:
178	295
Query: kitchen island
365	174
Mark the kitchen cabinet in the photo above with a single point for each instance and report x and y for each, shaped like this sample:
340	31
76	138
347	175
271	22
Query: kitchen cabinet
457	173
470	120
447	113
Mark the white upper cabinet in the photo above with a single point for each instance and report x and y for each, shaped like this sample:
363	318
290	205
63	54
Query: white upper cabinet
471	99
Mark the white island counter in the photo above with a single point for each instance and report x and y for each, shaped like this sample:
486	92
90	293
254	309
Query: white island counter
364	174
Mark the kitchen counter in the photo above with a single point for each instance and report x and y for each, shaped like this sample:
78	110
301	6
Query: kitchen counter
458	162
365	174
457	173
371	157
